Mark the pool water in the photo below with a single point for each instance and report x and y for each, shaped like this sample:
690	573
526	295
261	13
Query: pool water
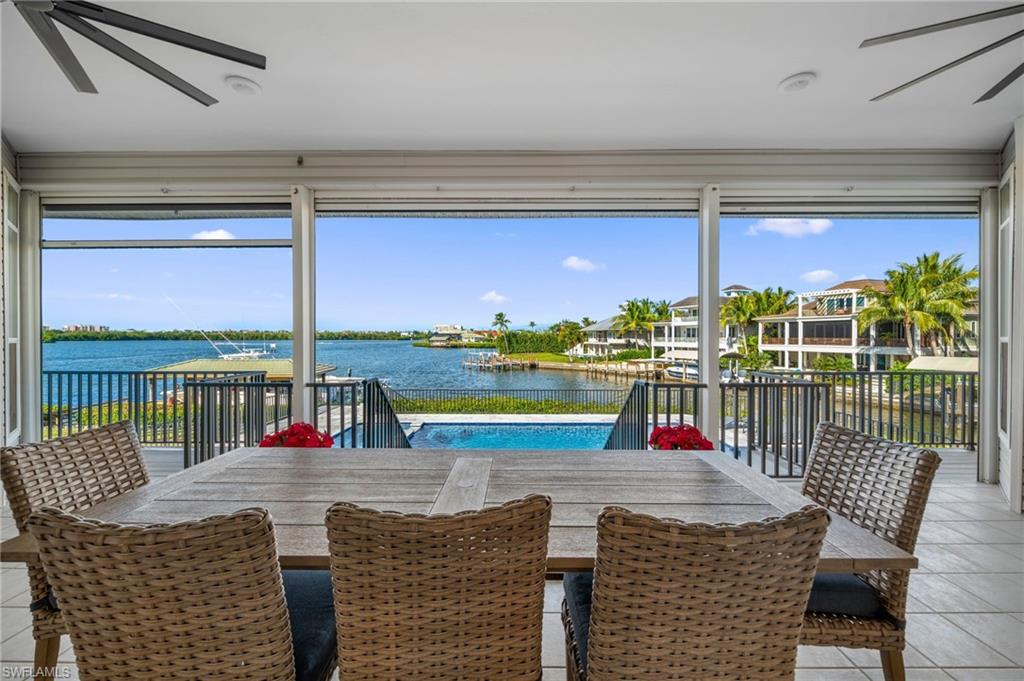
511	436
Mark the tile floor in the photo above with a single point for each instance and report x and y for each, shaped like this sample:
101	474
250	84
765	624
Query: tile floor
967	600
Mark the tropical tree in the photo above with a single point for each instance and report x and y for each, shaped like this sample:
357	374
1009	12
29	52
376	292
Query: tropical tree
636	317
930	295
586	321
570	333
663	310
501	323
742	311
950	291
532	325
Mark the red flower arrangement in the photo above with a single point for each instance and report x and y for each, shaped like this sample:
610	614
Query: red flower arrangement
298	435
683	436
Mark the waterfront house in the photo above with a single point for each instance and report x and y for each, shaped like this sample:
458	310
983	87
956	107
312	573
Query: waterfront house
677	339
824	322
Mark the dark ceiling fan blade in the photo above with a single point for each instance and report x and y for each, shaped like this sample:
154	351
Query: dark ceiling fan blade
87	10
942	69
1002	84
134	58
50	37
944	25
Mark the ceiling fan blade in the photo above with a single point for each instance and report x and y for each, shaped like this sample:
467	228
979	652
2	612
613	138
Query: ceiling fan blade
134	58
944	25
942	69
86	10
1002	84
50	37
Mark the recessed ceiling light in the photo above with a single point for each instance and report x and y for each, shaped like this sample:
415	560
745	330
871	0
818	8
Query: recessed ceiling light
242	85
797	82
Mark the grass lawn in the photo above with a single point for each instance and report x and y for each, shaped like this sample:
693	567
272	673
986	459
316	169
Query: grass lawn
540	357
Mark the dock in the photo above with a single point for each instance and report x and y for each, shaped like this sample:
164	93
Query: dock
492	361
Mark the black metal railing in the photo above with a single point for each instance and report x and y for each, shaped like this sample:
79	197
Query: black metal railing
675	403
503	401
381	427
75	401
222	414
769	421
630	429
338	405
926	408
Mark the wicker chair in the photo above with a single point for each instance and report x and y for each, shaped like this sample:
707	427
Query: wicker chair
881	486
194	600
72	473
441	597
673	600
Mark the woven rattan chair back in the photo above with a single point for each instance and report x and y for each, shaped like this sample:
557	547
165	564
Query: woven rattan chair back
72	473
675	601
193	600
440	597
879	485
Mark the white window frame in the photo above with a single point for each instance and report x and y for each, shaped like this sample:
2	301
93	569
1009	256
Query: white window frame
13	314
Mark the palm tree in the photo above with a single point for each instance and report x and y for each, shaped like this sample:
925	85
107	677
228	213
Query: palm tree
742	311
532	325
931	294
663	310
950	291
586	321
501	322
635	316
903	301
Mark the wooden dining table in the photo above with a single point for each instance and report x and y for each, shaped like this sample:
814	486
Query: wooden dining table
298	485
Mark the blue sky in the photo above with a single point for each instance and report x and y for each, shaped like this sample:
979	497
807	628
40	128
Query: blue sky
405	273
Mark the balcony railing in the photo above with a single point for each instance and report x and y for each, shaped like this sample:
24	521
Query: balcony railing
630	429
926	408
381	427
222	414
73	401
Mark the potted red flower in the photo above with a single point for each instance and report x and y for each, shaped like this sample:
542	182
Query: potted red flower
298	435
683	436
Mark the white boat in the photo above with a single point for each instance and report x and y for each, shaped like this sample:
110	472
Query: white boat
688	371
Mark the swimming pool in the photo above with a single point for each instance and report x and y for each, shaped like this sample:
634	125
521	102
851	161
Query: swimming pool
511	436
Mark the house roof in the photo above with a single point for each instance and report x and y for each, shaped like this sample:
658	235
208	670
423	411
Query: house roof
858	284
276	369
603	325
691	301
737	287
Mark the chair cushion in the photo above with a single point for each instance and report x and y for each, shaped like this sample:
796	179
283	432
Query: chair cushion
311	611
578	591
844	594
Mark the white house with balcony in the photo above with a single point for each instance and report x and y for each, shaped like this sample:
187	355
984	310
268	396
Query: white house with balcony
825	323
678	337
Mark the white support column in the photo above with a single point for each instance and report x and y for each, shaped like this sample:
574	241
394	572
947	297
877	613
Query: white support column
30	339
1016	432
303	303
988	345
708	312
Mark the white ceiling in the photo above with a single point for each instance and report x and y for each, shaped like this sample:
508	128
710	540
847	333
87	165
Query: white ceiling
523	76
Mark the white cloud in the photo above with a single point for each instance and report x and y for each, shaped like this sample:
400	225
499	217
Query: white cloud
574	262
213	234
819	276
493	297
115	296
790	227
